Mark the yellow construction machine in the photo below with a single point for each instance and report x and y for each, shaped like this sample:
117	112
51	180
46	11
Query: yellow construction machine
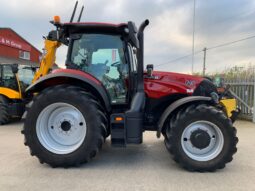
14	79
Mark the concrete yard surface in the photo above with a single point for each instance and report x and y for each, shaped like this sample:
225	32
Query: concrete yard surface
138	167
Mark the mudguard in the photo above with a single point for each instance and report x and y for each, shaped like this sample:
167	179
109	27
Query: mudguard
72	77
175	105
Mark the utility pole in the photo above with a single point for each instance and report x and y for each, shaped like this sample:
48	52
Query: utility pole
204	68
193	37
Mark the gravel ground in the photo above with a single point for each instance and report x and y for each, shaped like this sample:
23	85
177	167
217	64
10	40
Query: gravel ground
140	167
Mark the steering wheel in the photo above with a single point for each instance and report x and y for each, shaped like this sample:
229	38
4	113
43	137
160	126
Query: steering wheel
115	64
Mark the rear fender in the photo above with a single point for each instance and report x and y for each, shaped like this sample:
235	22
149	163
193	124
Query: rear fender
177	104
76	78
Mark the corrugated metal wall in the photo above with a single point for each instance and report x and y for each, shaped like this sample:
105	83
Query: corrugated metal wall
243	87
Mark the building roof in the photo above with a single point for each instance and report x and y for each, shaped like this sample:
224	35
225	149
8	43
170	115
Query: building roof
6	28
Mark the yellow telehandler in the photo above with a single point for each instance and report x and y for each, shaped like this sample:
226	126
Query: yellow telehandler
14	79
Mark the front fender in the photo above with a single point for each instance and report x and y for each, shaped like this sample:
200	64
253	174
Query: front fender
72	77
177	104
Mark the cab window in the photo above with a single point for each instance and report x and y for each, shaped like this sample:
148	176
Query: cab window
8	78
103	57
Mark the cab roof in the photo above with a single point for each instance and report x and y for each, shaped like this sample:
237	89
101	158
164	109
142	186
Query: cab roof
88	27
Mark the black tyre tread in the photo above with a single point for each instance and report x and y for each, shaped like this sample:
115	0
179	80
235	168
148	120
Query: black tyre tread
102	113
172	120
4	115
171	142
99	135
169	126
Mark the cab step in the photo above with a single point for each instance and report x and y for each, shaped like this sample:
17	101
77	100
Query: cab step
118	130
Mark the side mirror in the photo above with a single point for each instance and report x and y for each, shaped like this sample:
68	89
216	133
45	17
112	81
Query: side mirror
149	68
15	68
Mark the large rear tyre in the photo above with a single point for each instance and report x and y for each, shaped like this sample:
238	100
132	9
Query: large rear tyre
65	126
4	116
201	138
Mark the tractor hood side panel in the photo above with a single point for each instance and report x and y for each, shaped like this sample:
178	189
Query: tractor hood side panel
168	83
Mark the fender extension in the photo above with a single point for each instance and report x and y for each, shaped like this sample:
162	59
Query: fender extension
72	77
177	104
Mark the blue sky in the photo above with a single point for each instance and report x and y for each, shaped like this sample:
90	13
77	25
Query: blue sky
169	35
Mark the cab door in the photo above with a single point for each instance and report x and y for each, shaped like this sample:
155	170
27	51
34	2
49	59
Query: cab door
9	79
9	86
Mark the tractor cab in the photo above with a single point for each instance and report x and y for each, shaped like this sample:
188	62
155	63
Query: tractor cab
15	79
8	78
113	54
104	56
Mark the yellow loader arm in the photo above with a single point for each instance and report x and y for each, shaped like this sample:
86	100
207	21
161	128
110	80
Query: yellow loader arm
48	58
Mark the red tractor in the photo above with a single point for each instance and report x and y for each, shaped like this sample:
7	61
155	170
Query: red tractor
105	91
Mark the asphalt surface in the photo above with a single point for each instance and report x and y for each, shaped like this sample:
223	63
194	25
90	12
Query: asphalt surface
140	167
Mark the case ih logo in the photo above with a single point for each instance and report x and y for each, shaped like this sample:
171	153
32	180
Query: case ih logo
14	44
190	82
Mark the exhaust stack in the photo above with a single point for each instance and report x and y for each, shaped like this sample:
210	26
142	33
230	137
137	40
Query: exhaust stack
140	36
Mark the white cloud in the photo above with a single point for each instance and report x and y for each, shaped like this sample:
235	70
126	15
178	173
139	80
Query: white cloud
169	35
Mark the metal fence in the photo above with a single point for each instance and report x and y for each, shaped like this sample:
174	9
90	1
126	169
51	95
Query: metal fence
243	88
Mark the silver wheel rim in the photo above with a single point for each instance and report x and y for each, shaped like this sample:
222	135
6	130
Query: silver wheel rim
212	150
61	128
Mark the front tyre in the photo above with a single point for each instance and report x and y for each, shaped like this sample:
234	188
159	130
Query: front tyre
201	138
65	126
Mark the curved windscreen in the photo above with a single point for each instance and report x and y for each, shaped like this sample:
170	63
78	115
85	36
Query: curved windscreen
26	75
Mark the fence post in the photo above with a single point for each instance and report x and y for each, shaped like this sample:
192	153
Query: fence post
253	118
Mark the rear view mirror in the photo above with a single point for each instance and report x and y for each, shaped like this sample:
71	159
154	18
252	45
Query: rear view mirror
149	68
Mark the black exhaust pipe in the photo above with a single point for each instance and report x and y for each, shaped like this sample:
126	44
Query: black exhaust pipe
140	69
134	116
